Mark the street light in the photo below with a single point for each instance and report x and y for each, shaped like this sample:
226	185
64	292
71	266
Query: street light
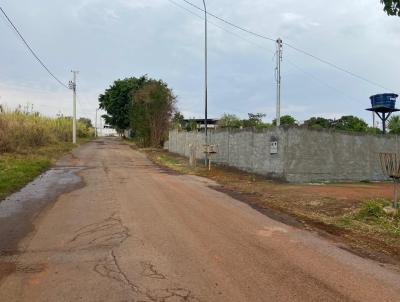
205	81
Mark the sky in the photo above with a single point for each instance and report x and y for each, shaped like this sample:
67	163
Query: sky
109	40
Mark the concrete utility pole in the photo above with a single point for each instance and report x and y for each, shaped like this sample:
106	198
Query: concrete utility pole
278	80
95	124
72	85
205	81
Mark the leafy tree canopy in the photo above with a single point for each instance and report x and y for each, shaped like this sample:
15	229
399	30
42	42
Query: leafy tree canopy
394	124
392	7
254	120
286	120
86	121
116	101
350	123
318	123
191	125
151	111
178	120
229	121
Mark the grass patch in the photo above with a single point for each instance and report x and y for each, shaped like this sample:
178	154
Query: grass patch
167	160
17	169
16	172
30	142
372	216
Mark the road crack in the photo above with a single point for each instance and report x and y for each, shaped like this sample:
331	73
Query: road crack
111	269
150	271
107	233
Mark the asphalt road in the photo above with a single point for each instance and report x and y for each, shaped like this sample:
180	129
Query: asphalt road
130	231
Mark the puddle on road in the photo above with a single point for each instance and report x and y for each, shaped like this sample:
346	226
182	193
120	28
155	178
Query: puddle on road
18	211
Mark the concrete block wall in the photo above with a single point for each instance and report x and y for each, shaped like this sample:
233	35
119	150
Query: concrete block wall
335	156
303	155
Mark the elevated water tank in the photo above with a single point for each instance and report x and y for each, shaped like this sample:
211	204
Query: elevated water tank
387	100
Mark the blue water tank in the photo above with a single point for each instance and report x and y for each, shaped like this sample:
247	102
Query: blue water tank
387	100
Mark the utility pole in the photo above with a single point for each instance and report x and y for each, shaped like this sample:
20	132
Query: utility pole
205	82
373	119
95	125
278	80
72	85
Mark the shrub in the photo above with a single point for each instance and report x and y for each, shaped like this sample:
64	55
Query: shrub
21	131
372	209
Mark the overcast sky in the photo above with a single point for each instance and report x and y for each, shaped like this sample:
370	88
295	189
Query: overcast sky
106	40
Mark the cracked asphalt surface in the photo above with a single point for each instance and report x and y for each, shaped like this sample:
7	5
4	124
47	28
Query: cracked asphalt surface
135	232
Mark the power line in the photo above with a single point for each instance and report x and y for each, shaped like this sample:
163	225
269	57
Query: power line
220	27
230	23
315	78
337	67
31	50
292	47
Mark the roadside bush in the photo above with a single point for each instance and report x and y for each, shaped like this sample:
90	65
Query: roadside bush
372	214
372	209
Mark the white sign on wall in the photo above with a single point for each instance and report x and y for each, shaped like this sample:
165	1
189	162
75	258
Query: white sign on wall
274	147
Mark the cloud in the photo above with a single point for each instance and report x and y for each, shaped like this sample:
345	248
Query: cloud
107	40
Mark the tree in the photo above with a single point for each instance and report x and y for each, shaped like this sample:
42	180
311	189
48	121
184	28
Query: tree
318	123
116	101
254	120
394	124
350	123
178	120
152	108
191	125
286	120
86	121
392	7
373	130
229	121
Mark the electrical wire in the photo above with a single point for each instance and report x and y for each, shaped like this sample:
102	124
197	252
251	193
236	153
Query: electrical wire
31	50
220	27
315	78
337	67
326	62
230	23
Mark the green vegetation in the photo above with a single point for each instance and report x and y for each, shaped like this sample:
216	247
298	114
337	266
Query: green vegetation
15	172
394	124
392	7
17	169
29	143
286	120
345	123
168	160
255	120
117	99
372	214
145	105
21	132
230	121
151	113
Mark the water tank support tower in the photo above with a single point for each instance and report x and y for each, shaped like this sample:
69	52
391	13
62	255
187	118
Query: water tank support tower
383	105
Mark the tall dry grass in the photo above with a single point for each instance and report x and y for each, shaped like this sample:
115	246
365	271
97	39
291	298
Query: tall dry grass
20	132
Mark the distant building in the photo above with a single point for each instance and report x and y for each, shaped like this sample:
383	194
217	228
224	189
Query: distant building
211	123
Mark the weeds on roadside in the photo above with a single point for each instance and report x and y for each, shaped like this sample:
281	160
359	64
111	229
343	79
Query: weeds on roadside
372	214
22	131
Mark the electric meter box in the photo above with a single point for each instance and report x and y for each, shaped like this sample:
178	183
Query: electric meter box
274	147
